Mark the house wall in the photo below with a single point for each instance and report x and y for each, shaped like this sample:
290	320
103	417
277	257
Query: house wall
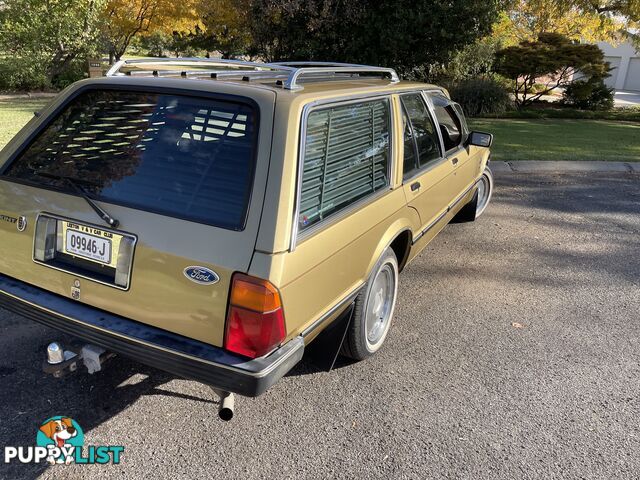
625	61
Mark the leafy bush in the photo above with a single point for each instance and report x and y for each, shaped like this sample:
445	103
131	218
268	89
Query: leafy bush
473	61
589	95
479	97
22	74
76	70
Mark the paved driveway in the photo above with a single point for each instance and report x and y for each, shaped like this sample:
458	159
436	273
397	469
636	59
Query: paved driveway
515	353
624	98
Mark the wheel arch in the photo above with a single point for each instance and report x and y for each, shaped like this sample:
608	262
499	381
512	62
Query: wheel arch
401	246
398	236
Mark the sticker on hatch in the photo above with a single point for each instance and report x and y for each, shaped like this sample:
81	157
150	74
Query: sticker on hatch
90	243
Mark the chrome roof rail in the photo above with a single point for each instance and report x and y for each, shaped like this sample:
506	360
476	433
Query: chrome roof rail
292	81
115	69
287	74
317	64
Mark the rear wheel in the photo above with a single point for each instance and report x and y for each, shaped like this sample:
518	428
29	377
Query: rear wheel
373	310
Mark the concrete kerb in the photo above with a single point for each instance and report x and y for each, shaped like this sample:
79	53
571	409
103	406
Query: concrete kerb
552	166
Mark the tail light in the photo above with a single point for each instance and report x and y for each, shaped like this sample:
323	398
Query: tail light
255	320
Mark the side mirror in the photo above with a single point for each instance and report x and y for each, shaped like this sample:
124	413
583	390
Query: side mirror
480	139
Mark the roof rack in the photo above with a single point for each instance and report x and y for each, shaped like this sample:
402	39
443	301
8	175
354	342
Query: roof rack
286	74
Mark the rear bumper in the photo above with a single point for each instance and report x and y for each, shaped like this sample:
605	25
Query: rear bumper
152	346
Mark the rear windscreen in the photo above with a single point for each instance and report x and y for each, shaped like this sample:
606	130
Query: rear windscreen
183	156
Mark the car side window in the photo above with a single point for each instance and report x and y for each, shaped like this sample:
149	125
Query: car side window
422	145
449	123
346	157
410	162
463	120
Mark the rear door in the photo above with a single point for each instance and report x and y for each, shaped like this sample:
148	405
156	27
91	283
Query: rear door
454	133
183	174
426	173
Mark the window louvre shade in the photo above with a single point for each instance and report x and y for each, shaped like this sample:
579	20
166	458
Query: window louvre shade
346	158
183	156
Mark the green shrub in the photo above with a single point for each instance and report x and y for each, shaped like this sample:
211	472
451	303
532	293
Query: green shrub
76	70
589	95
480	97
473	61
22	74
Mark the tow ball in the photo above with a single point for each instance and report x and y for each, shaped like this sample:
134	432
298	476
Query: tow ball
61	361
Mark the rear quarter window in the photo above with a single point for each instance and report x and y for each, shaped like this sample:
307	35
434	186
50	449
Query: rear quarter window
183	156
345	159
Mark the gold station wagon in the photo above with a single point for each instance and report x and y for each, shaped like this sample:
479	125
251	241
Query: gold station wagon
213	218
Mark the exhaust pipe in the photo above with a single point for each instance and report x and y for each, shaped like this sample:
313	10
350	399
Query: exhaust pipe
226	407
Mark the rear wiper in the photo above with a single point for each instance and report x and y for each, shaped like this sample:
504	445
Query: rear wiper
74	183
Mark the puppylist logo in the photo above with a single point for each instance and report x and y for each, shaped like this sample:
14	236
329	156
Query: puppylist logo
61	440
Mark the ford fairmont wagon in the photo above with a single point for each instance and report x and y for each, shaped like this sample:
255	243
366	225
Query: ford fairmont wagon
214	219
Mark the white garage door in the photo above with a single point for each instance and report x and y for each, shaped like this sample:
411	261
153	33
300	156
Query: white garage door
615	65
632	81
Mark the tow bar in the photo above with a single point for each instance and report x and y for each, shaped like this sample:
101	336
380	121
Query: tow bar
61	362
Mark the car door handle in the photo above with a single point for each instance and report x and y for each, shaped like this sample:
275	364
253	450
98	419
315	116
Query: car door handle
415	186
454	161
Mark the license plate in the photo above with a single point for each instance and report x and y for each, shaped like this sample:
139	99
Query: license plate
89	243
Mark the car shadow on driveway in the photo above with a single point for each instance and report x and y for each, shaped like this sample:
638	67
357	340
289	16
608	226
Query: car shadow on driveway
28	396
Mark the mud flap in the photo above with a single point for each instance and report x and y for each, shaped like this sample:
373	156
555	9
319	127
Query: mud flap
325	348
468	212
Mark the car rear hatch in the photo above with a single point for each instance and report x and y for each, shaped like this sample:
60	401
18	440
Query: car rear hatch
140	198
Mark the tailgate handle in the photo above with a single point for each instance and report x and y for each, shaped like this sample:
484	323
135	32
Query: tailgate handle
415	186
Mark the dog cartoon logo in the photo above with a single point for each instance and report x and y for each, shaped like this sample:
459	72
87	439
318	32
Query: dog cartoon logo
61	436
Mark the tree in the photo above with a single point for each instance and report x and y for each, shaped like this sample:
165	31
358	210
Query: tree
54	33
159	44
553	56
622	8
404	34
154	44
124	19
585	20
225	26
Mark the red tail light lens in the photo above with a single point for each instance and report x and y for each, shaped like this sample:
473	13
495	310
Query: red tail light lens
255	321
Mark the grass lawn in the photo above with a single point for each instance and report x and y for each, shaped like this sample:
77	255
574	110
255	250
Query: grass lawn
558	139
14	114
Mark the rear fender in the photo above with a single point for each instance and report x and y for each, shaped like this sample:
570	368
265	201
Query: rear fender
396	229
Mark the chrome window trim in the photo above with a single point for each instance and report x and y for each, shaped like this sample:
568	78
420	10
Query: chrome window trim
342	213
443	157
463	119
463	122
437	161
434	119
